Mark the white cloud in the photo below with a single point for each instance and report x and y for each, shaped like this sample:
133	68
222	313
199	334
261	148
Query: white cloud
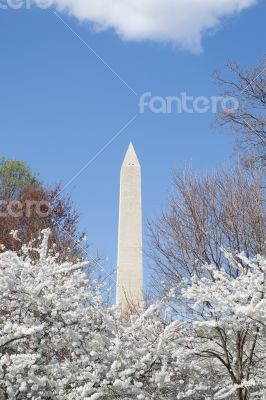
182	22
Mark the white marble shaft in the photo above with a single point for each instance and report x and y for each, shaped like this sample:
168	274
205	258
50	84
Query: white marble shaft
129	269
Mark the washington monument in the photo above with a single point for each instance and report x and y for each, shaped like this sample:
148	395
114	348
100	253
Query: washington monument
129	291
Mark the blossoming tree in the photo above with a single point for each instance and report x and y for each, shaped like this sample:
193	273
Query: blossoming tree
59	341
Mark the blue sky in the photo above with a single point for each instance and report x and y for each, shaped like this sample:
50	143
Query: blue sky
60	105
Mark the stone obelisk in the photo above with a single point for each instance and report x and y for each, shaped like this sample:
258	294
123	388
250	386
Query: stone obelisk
129	293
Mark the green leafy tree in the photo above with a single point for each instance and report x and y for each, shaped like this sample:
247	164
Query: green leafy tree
28	207
15	177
